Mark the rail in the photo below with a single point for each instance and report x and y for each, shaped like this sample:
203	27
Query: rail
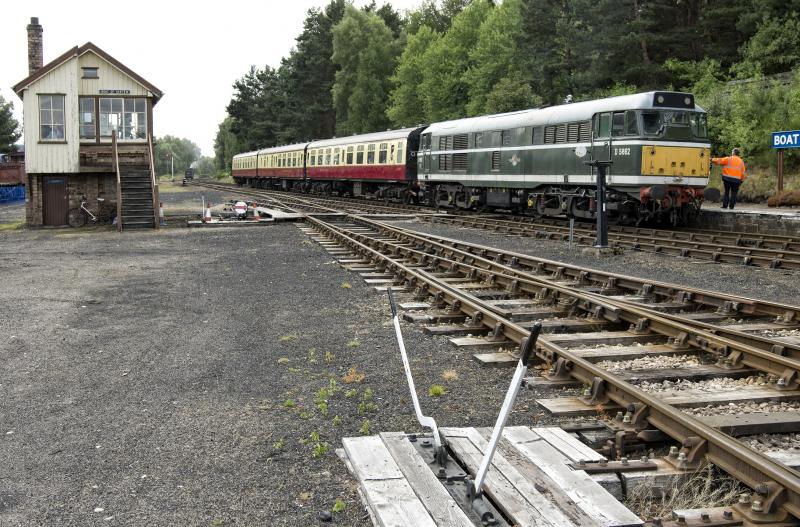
153	182
119	180
777	487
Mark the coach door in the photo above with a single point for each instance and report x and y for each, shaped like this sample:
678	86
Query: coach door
56	200
425	153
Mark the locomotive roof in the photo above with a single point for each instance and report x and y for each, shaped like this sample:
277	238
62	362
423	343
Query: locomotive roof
564	113
388	135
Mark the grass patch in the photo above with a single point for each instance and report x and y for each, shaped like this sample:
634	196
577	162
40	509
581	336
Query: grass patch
289	403
708	487
784	198
450	375
279	444
349	394
346	285
339	506
353	343
283	360
364	428
436	390
287	338
329	356
353	376
13	226
337	421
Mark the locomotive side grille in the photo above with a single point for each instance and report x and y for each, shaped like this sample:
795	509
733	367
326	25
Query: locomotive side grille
460	142
506	137
561	133
549	135
443	143
496	160
460	161
585	131
445	161
572	132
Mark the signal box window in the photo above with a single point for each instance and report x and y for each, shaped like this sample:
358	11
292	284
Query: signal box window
51	117
90	73
87	118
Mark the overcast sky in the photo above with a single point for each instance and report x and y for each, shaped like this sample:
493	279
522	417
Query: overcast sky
193	54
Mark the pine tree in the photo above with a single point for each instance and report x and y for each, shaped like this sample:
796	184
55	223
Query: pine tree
9	127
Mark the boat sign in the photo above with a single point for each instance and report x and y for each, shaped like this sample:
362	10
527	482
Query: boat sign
786	139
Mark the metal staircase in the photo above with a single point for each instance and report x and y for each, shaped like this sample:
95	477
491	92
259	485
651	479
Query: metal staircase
137	192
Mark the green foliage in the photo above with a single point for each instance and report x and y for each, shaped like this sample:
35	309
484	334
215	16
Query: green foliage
775	47
338	506
337	421
226	145
434	15
444	91
288	403
365	50
169	149
436	390
9	127
204	167
406	100
364	428
349	394
279	444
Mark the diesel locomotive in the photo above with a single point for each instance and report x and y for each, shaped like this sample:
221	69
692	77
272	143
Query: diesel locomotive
532	162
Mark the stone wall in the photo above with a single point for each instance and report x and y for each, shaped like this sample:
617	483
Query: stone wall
92	186
777	223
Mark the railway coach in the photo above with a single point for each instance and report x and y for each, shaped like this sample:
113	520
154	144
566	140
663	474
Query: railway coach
531	162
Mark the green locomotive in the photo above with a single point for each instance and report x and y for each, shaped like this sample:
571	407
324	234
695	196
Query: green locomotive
534	161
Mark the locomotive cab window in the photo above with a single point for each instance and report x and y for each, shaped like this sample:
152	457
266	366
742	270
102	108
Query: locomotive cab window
699	124
617	124
651	122
603	126
631	123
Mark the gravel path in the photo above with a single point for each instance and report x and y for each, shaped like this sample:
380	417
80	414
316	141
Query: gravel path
769	284
173	378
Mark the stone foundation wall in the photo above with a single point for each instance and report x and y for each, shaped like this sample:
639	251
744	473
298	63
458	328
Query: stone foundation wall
92	186
777	223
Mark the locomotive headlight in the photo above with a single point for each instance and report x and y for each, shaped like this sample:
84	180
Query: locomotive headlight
688	101
660	99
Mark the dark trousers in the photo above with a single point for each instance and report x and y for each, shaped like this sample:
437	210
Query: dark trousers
731	190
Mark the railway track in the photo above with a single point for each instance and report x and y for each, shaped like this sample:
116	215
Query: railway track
487	298
649	240
760	250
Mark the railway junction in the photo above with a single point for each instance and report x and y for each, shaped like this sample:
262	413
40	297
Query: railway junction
177	378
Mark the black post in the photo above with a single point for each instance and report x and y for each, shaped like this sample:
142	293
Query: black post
601	241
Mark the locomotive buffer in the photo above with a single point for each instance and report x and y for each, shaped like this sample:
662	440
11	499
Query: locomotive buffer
601	242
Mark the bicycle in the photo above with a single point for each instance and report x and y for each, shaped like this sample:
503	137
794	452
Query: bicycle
80	216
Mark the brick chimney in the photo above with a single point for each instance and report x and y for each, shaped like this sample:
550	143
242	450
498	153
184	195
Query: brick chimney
35	51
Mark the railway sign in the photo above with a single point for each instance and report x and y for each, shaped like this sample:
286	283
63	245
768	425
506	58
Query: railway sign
240	207
786	139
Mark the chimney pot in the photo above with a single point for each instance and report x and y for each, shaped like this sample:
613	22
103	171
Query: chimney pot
35	48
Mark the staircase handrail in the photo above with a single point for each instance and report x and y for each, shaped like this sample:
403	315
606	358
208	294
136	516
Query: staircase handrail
153	182
119	179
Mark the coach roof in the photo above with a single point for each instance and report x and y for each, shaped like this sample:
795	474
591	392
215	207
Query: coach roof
389	135
283	148
564	113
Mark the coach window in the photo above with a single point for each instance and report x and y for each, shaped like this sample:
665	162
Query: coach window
400	157
335	156
382	153
349	157
371	154
360	155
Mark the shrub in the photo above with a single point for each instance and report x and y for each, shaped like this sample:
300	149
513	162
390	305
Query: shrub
436	390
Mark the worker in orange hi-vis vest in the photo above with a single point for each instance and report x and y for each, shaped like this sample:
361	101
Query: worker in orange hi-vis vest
733	174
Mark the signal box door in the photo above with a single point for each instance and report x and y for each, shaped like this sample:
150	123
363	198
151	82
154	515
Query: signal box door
56	200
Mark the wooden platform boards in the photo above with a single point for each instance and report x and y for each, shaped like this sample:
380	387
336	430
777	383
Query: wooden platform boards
530	480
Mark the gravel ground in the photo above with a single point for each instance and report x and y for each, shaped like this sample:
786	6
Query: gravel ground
173	378
711	385
12	212
647	363
755	282
745	408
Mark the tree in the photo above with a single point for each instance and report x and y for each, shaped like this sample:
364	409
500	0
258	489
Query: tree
182	151
495	57
225	145
444	90
366	52
309	77
9	127
775	47
406	106
204	167
431	15
510	94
